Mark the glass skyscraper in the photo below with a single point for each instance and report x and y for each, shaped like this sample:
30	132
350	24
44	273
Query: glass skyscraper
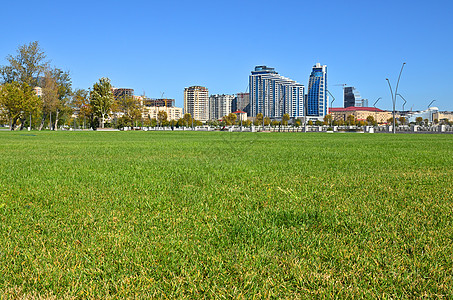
351	98
317	99
274	95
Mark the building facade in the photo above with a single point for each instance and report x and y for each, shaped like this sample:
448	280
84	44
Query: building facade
317	98
360	113
196	102
219	106
352	98
122	92
173	113
243	102
274	95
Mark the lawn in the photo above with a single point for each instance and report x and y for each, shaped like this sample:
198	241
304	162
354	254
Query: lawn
225	215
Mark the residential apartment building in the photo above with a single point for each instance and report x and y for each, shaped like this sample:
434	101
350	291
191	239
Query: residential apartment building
243	102
196	102
173	113
274	95
317	98
219	106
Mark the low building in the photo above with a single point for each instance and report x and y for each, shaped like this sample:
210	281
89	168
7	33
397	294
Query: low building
443	115
241	115
173	113
361	113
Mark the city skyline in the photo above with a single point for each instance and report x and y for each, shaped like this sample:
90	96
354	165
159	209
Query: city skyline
156	49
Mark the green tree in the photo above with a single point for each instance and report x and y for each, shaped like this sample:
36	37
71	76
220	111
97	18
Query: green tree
26	66
267	121
402	120
101	99
297	123
285	119
310	122
64	90
17	101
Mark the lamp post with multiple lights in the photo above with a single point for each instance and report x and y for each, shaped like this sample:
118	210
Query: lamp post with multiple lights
394	97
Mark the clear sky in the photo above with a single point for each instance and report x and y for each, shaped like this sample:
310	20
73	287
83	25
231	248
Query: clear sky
163	46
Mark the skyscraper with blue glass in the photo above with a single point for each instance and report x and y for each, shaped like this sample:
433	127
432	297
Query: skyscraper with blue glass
317	100
274	95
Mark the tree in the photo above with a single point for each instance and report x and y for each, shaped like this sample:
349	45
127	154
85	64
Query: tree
370	120
130	109
259	119
267	121
298	123
56	92
318	123
101	99
26	67
187	119
310	123
419	120
64	91
328	119
81	104
17	101
402	120
350	119
230	119
161	117
285	119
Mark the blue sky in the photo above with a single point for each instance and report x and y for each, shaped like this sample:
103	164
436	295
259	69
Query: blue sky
164	46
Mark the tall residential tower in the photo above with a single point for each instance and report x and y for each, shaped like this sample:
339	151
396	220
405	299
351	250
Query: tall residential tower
274	95
196	102
317	99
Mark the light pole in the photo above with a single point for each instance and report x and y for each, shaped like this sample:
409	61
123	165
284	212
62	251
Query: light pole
331	103
431	103
403	99
394	97
375	114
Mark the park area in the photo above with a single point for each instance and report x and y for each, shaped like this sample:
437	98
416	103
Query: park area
225	215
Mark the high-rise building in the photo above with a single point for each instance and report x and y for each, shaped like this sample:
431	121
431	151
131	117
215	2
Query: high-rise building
274	95
351	98
243	102
317	99
196	102
219	106
122	92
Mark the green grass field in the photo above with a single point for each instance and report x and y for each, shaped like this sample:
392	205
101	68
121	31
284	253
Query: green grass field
225	215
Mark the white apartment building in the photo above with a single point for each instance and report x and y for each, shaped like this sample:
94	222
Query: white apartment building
219	106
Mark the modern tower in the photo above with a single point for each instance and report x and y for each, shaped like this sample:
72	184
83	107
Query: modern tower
317	99
274	95
351	98
196	102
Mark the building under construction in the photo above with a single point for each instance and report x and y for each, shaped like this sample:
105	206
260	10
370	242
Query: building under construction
158	102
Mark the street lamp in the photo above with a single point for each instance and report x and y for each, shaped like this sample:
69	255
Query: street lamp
375	113
403	99
431	103
331	103
394	97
